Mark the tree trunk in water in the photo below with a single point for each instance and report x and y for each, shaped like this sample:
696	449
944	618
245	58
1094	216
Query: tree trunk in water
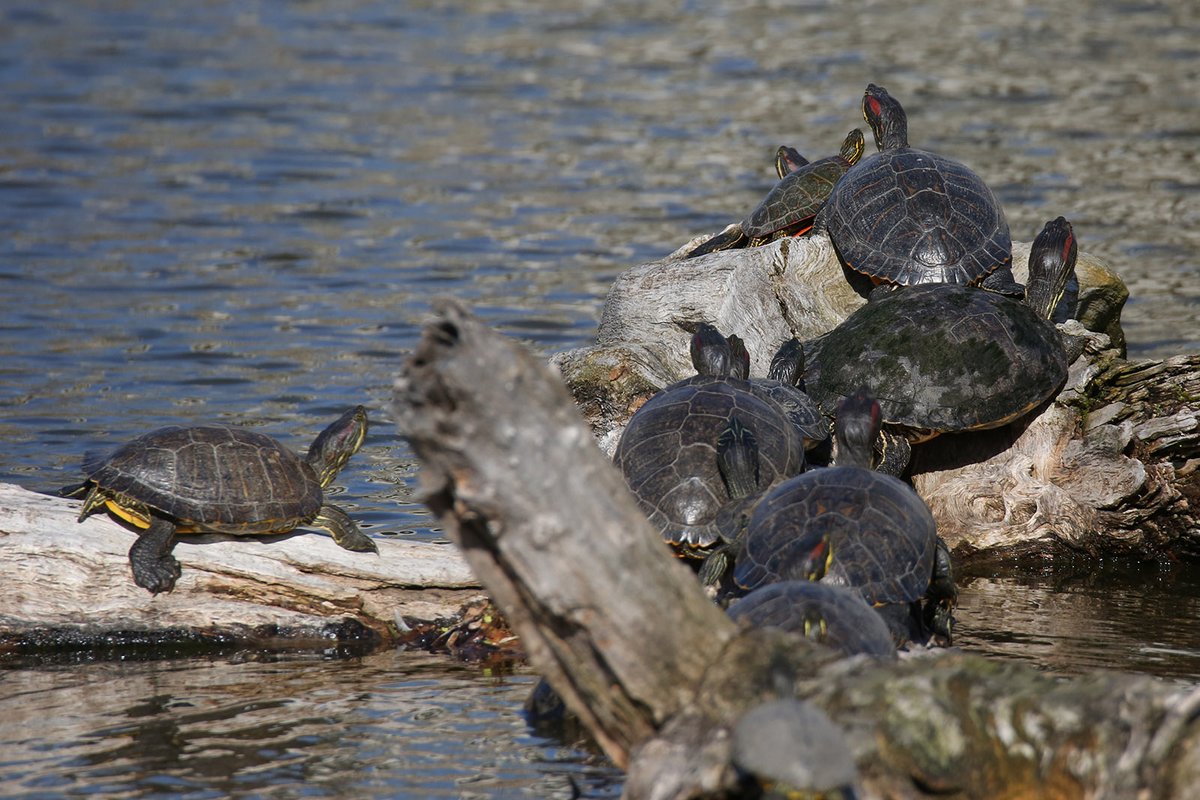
659	675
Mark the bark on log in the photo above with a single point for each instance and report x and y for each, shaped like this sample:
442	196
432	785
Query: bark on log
1108	468
659	675
69	583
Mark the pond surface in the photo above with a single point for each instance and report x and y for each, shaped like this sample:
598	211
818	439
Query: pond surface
241	211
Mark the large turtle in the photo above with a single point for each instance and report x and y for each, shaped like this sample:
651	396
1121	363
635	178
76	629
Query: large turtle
792	204
943	358
668	452
848	525
907	216
836	616
216	478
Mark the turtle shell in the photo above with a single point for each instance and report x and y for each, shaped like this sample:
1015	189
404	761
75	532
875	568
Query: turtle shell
211	478
940	358
796	199
907	216
882	536
669	459
836	616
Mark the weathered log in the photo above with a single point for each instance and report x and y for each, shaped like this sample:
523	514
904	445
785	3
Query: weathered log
629	640
1106	469
69	584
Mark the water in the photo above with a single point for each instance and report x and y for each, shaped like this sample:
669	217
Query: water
241	211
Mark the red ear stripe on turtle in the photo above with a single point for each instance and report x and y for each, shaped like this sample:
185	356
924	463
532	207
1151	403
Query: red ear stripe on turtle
876	108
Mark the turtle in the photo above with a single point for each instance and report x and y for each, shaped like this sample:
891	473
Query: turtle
836	616
846	525
946	357
905	216
792	204
668	451
785	747
220	479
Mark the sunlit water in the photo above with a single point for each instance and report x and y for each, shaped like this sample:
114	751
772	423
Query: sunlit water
241	211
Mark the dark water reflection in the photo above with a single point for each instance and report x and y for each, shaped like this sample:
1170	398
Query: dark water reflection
240	212
388	725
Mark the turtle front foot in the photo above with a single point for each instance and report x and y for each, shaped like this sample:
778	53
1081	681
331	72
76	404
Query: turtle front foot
154	568
157	576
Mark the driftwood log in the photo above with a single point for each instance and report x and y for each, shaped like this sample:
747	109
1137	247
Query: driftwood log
68	585
1108	468
659	675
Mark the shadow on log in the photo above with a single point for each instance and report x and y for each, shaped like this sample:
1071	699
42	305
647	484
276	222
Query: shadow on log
625	635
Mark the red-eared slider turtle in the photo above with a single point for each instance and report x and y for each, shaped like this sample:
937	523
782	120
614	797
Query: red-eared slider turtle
668	452
847	525
907	216
216	478
790	207
836	616
944	358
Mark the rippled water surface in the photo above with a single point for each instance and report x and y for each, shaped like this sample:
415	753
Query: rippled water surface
241	211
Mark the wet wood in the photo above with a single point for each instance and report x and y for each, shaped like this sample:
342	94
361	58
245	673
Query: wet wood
658	675
74	579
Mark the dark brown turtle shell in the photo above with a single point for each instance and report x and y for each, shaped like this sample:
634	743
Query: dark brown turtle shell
211	478
669	459
836	616
882	539
790	207
940	359
907	216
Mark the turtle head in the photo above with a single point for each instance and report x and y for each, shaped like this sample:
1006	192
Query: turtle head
788	160
817	562
1051	265
333	446
787	365
739	358
859	419
886	117
737	459
711	354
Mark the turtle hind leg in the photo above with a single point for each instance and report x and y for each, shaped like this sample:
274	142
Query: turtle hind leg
344	530
154	568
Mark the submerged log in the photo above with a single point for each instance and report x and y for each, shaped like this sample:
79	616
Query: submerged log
68	584
1107	468
627	637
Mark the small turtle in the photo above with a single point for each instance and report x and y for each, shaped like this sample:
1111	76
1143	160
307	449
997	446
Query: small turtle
944	358
907	216
216	478
790	207
846	525
836	616
668	452
786	747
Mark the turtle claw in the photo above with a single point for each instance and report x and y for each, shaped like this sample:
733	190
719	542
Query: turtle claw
159	576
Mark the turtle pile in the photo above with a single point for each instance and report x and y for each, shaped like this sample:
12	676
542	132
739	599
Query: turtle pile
790	526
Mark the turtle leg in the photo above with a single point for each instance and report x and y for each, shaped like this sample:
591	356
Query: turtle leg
726	240
1002	281
95	498
344	530
154	568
